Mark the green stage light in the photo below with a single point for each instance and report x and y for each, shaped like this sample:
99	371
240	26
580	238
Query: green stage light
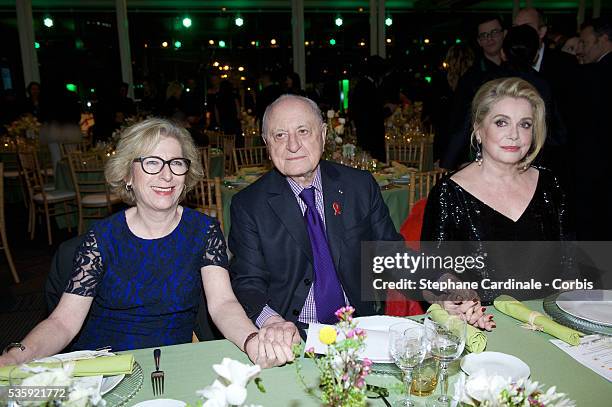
221	44
71	87
388	21
187	22
36	44
428	79
458	41
239	21
339	21
48	22
177	44
332	42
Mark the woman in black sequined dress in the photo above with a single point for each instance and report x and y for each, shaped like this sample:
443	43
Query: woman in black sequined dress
500	196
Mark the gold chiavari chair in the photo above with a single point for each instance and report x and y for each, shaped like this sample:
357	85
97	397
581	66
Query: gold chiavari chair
250	157
205	158
421	183
3	239
206	198
93	196
229	144
215	138
67	148
410	154
50	203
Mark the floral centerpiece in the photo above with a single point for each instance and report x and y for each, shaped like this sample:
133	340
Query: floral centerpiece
229	389
341	145
342	374
23	130
79	393
486	391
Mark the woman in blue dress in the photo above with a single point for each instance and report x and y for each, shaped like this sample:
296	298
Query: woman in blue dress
138	275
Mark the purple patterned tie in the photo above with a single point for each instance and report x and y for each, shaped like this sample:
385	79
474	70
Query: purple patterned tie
327	288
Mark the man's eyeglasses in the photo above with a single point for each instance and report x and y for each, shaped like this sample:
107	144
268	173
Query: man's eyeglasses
491	34
154	165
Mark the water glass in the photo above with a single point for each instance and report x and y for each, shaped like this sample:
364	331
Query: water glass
408	345
447	339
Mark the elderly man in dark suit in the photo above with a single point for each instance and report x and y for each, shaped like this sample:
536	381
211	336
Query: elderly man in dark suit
296	233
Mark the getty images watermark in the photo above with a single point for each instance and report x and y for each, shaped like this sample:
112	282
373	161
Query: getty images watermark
525	269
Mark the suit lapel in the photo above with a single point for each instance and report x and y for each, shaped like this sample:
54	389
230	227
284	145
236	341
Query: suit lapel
333	195
284	205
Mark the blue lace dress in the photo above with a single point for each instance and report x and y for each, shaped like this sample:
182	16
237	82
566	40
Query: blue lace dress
146	291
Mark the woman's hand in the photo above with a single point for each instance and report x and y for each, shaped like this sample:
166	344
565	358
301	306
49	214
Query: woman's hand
7	360
473	311
274	343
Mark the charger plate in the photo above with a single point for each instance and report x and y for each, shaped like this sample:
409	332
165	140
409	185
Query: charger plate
125	390
562	317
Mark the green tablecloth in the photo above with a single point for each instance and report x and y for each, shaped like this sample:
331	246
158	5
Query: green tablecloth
395	198
189	368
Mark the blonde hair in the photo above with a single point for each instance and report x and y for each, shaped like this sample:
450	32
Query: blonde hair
139	140
492	92
459	58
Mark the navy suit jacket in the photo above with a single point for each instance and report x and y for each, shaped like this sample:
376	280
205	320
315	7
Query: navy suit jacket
273	261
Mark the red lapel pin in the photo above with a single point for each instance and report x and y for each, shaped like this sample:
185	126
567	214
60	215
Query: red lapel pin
337	208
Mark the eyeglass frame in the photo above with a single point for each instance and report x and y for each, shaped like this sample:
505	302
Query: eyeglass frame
164	162
494	33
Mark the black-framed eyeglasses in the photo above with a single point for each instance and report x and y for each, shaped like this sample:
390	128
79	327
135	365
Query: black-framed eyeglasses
154	165
491	34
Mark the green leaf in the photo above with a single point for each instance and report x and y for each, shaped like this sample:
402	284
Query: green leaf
259	384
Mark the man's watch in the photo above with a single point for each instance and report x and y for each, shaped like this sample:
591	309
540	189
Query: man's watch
14	345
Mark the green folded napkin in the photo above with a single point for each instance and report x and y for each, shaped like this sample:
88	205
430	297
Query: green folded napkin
520	311
476	340
104	365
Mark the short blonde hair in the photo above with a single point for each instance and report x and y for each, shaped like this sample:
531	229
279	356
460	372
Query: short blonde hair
139	140
493	91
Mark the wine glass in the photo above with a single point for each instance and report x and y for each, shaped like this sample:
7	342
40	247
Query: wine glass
447	343
408	345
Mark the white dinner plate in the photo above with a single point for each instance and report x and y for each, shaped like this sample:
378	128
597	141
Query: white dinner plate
109	383
381	322
591	305
377	335
161	403
495	364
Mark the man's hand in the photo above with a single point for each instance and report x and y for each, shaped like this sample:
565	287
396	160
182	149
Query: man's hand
273	345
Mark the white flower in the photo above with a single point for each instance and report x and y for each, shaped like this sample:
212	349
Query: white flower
215	395
235	372
235	394
230	388
342	120
338	140
330	114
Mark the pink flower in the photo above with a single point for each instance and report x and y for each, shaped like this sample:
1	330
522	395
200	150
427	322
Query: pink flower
310	350
345	377
350	333
360	383
366	362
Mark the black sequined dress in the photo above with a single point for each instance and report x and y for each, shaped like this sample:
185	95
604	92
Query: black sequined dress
453	214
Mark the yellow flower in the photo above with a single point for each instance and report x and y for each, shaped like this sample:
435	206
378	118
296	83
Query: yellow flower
327	335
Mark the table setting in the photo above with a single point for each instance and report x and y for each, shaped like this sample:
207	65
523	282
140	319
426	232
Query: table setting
514	359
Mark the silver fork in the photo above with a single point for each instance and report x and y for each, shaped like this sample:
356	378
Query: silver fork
157	377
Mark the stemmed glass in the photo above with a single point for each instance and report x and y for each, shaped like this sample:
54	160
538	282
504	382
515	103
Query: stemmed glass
408	345
447	343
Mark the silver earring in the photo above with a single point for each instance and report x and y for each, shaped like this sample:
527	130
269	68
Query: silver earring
128	187
478	159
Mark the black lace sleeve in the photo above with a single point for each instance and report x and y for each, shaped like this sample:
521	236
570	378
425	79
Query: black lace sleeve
87	268
215	253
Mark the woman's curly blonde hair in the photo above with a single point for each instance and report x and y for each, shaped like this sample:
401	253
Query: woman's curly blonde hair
139	140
